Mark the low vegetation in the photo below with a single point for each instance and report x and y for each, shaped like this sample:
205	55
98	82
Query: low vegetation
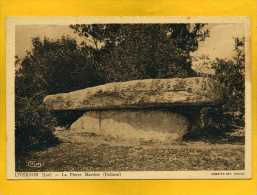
98	154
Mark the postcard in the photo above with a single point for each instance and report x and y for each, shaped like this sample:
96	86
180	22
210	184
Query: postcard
128	98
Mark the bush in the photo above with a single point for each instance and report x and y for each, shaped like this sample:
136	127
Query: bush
230	73
34	125
52	66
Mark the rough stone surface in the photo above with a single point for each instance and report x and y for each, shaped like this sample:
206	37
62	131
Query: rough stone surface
194	91
137	125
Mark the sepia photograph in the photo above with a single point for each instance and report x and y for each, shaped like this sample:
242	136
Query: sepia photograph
128	98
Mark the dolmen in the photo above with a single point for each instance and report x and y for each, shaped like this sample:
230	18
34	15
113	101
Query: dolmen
150	109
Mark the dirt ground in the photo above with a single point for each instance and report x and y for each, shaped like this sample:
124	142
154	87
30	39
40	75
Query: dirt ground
95	153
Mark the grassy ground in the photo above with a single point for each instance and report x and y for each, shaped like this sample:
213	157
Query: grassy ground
95	153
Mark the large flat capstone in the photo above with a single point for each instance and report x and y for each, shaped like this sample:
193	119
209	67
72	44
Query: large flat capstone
194	91
148	109
133	125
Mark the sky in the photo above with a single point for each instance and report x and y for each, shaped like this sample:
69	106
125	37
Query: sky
25	33
219	44
221	41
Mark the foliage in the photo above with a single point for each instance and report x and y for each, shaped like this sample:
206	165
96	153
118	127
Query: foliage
34	125
51	67
140	51
230	73
63	65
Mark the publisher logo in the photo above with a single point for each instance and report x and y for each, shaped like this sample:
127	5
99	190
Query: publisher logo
34	164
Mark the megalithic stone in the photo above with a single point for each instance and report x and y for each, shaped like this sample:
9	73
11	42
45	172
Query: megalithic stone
134	124
151	109
154	93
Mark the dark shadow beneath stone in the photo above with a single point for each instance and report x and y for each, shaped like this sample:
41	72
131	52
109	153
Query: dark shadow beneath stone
67	117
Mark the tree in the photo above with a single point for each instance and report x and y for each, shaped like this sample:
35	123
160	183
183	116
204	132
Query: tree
51	67
139	51
230	73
